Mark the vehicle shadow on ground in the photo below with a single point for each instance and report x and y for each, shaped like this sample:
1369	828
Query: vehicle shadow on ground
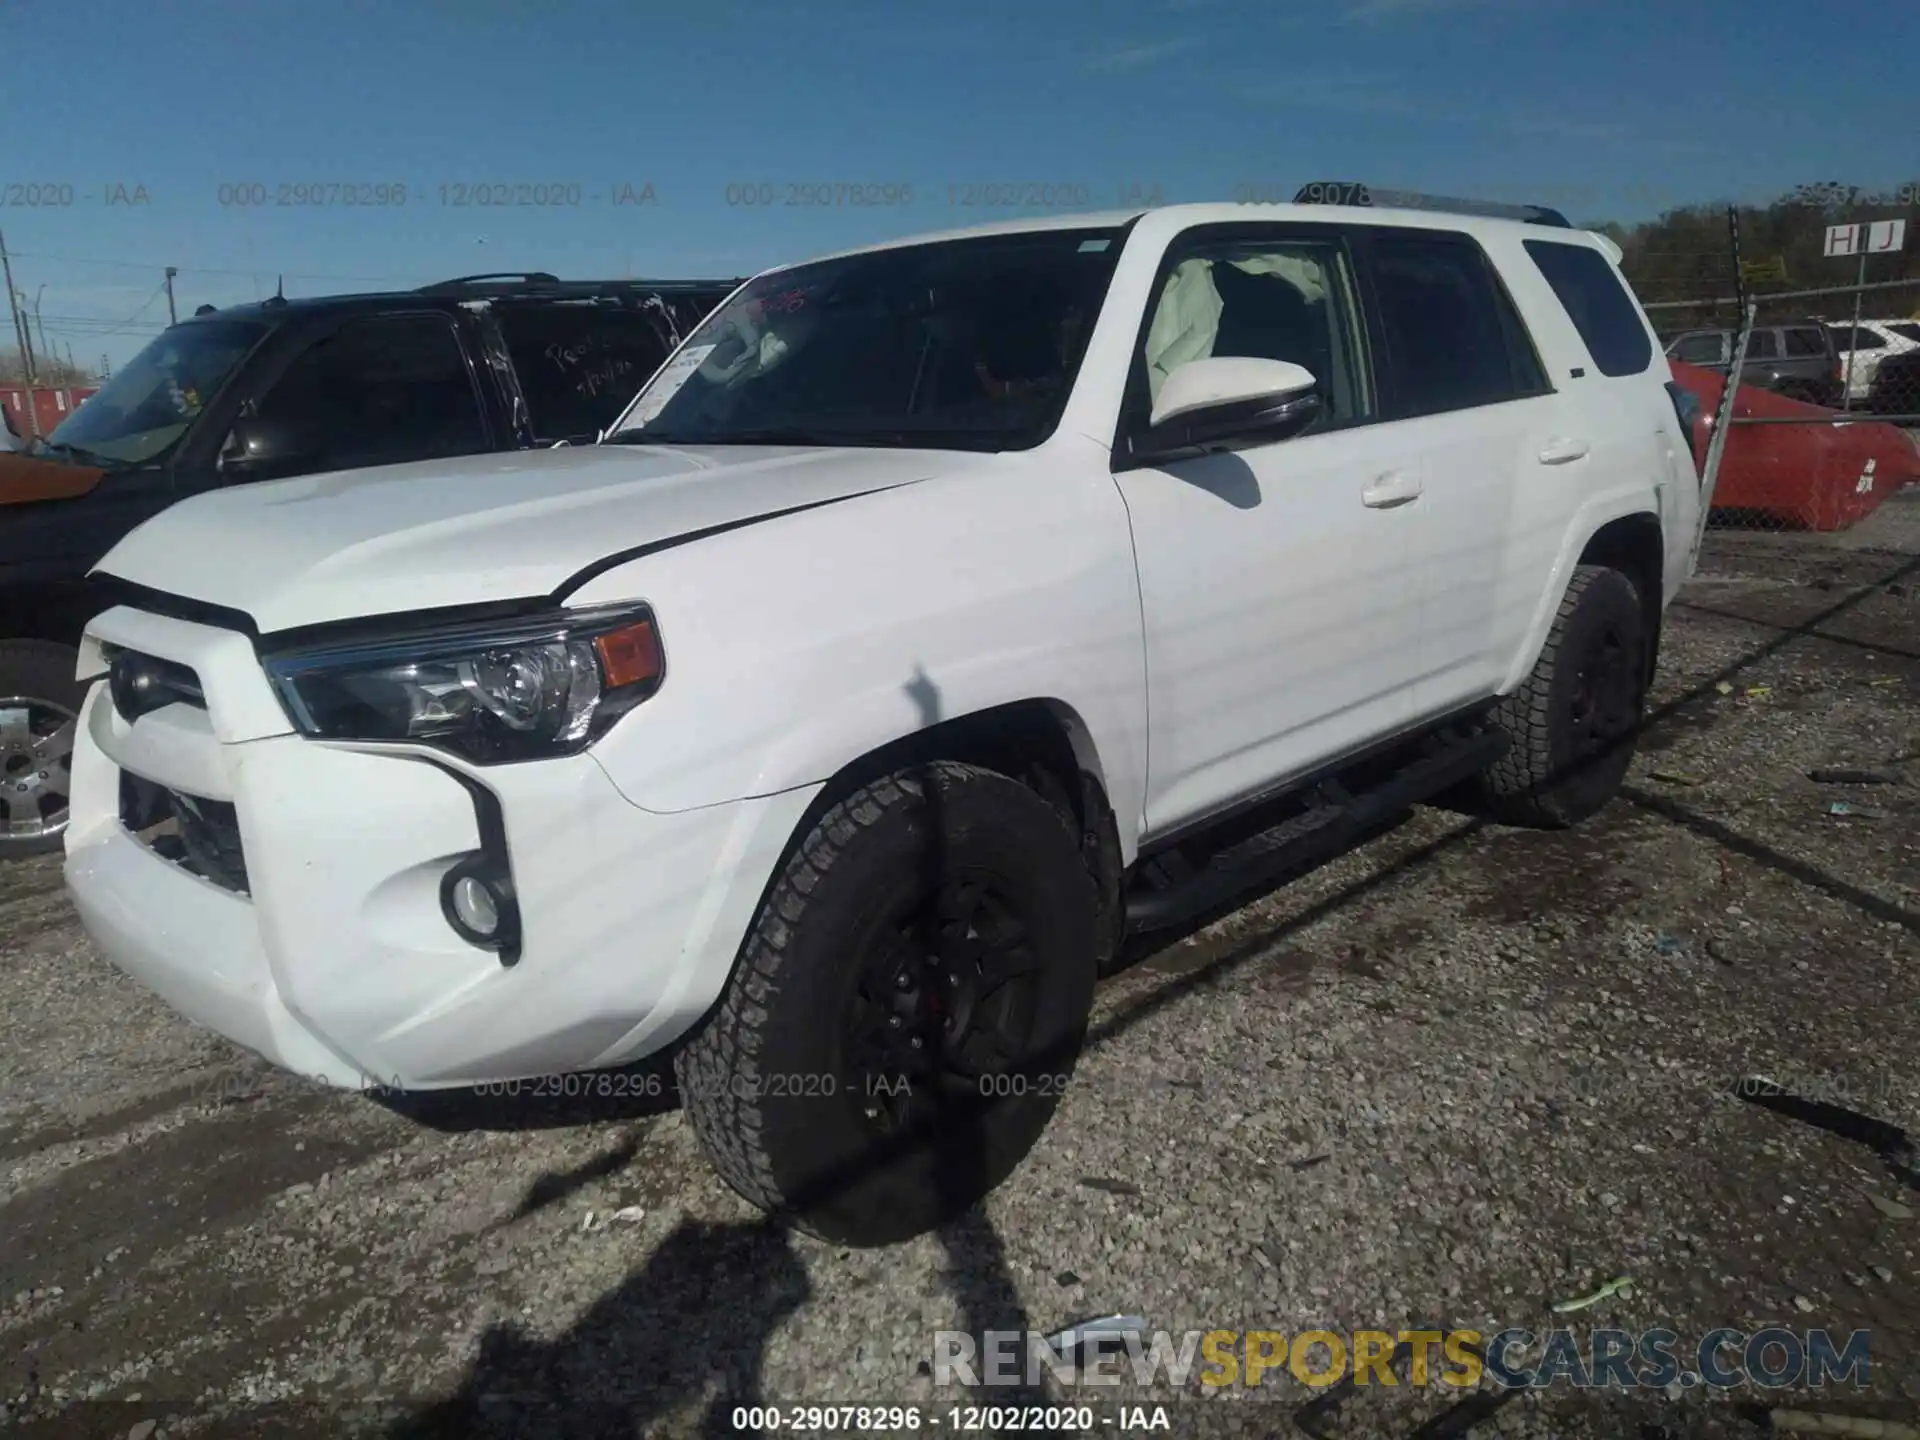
648	1353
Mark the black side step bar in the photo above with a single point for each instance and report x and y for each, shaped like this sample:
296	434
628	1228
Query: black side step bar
1322	830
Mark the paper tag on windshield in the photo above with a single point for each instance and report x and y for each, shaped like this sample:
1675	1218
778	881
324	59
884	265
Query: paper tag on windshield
675	373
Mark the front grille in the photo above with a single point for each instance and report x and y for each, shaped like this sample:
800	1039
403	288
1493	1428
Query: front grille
199	835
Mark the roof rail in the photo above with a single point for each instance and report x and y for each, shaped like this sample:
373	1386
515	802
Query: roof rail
549	285
1351	192
522	277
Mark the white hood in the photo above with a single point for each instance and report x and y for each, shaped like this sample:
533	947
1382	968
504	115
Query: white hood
474	529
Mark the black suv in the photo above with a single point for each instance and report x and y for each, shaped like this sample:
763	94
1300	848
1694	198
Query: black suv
283	388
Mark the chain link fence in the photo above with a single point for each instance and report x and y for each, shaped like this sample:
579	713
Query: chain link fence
1821	434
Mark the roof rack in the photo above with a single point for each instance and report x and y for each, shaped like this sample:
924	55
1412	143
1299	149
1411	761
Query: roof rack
524	277
1351	192
540	282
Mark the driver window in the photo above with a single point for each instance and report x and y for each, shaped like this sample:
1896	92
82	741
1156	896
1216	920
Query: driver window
1271	300
379	392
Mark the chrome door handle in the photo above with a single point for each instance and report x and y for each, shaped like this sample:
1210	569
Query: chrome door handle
1396	487
1560	452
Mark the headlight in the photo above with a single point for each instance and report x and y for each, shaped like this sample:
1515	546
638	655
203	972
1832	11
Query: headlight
495	692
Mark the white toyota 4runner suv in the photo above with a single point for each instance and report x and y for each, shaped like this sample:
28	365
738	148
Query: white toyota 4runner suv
938	613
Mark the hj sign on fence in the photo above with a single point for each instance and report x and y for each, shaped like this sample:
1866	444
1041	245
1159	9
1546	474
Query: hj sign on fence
1868	237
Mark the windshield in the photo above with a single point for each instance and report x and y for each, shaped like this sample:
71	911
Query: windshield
960	344
1905	330
142	412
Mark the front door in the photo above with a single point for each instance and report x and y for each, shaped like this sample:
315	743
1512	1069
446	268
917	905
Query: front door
1279	628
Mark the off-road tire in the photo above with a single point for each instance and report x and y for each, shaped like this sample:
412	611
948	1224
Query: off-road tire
1544	780
750	1077
38	670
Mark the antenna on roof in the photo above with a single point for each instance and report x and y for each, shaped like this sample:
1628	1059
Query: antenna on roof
279	291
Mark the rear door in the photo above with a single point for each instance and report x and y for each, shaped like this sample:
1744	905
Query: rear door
1622	393
1860	353
1463	384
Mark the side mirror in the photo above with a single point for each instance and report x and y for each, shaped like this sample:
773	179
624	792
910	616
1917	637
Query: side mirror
1212	402
256	444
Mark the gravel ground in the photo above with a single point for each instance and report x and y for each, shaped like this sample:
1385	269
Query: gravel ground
1458	1074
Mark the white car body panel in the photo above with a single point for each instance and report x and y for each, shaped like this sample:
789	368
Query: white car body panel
1858	367
482	528
1204	629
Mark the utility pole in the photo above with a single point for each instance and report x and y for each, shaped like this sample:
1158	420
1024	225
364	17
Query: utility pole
33	369
26	354
1739	270
172	319
19	326
41	327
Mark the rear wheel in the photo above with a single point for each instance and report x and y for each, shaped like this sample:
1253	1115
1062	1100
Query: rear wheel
1573	723
39	709
907	1007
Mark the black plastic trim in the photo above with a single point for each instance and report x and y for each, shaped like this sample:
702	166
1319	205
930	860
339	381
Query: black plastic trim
653	547
112	590
492	861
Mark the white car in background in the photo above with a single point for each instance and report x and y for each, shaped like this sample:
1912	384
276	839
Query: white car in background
1861	352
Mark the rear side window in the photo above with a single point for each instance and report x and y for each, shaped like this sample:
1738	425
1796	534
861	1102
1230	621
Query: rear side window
1704	348
1453	339
1805	341
1761	346
580	364
1598	305
1845	337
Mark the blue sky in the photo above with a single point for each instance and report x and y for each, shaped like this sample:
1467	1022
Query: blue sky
1609	110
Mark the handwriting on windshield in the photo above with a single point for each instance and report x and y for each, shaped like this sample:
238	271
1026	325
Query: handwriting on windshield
785	303
590	367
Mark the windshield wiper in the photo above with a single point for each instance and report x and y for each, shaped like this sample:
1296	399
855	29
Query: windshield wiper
639	435
74	452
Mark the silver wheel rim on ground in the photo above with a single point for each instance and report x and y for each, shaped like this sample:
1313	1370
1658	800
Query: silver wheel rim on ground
36	753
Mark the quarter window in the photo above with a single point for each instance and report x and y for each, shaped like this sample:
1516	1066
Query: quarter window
1598	304
1707	347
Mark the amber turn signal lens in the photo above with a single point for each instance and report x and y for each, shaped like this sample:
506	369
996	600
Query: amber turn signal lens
629	656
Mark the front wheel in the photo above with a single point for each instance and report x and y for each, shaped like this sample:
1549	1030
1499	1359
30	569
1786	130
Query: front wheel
906	1010
1574	722
39	710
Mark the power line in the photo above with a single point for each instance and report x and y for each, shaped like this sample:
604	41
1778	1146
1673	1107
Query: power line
103	325
209	270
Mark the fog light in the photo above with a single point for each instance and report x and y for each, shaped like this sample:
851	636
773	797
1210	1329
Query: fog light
474	906
477	899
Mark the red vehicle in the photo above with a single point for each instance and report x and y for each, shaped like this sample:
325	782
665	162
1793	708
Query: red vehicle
1808	476
53	403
